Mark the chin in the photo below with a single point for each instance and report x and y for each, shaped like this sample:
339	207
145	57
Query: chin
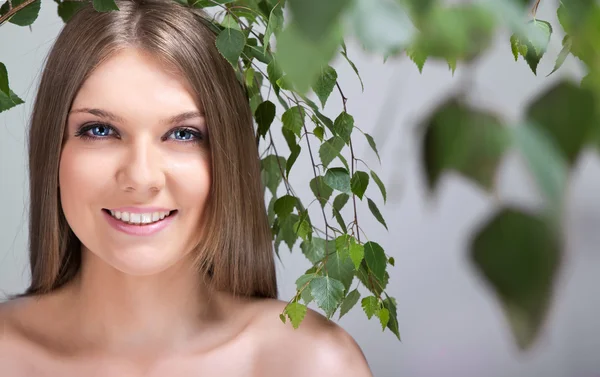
140	260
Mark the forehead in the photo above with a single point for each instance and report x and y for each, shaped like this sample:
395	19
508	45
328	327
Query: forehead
132	84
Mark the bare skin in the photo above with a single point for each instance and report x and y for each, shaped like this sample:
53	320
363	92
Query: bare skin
248	339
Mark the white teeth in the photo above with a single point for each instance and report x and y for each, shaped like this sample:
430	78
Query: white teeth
139	218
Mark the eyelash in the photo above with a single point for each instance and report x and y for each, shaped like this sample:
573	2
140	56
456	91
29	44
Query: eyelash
83	133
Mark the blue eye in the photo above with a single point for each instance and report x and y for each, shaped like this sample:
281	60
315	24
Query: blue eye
185	134
100	131
96	131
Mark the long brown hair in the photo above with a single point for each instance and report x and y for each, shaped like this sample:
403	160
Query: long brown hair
236	250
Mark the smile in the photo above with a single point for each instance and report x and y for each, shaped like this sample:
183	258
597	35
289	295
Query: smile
139	224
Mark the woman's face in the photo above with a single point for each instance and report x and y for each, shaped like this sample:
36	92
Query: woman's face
135	168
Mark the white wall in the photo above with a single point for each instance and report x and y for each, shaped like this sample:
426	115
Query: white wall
450	323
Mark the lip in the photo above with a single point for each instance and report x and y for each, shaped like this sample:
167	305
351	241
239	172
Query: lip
140	230
141	209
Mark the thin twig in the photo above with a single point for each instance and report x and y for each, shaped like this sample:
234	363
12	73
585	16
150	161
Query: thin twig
535	8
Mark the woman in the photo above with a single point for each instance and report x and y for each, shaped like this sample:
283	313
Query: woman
150	250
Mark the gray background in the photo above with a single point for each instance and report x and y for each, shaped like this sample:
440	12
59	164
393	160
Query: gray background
450	323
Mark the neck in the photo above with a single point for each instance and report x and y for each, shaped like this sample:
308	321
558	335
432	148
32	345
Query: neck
114	311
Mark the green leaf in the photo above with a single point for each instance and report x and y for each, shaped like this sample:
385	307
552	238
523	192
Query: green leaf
340	201
282	318
568	114
293	119
301	58
24	17
380	185
272	167
274	26
418	56
285	205
229	22
359	183
370	305
314	18
295	152
562	56
370	281
208	3
519	256
372	144
343	126
533	43
105	5
392	261
384	317
339	267
66	9
314	249
349	302
338	179
296	313
7	102
376	259
4	80
321	191
275	73
302	229
390	304
318	132
376	213
331	149
230	43
465	140
545	162
287	232
302	284
357	253
345	55
325	84
328	293
382	26
264	115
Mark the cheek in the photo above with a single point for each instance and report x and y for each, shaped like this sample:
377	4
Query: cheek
192	178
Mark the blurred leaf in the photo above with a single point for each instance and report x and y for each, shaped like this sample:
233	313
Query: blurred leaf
380	185
314	18
544	161
208	3
568	114
418	56
293	119
301	58
24	17
376	259
264	115
338	179
105	5
468	141
328	293
519	255
286	231
296	313
376	213
325	84
321	191
7	102
294	153
66	9
230	44
562	56
359	183
370	305
330	149
382	26
349	302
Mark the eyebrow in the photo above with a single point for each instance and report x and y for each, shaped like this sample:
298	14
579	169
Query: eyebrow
115	118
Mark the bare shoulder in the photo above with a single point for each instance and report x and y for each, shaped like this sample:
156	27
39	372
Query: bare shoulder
318	346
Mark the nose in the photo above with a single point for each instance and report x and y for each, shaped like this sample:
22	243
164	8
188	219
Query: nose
141	169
